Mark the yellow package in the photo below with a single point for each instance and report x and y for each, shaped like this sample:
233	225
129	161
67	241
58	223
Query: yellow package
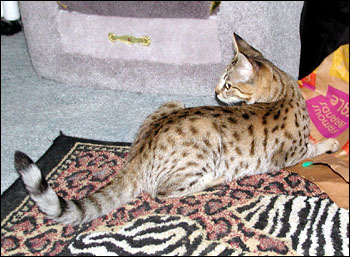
326	91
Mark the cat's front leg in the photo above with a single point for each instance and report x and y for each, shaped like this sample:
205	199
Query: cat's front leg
330	145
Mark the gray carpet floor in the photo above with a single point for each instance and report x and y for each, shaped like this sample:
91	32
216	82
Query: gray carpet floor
34	110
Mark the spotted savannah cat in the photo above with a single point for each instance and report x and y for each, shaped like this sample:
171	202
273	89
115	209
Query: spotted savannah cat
180	151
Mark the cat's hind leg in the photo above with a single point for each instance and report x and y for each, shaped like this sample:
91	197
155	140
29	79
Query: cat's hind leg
181	186
164	109
169	107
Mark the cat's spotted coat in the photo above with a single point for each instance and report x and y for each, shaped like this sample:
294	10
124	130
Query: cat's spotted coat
181	151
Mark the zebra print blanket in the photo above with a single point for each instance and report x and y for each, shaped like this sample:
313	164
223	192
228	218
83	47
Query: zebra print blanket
267	224
278	213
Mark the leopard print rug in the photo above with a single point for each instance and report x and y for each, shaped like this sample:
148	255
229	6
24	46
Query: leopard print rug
278	213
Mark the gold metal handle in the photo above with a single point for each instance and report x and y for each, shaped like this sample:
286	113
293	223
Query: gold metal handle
145	40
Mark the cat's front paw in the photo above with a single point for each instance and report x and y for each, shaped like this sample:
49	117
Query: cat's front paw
331	145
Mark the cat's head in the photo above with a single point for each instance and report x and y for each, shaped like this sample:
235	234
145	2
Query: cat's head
248	78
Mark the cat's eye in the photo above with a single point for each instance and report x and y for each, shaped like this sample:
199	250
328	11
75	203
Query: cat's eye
227	86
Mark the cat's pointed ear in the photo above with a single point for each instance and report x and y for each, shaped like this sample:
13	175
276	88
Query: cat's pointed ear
244	67
240	45
234	43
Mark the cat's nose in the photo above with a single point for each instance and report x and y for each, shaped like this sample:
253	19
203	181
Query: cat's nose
217	90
